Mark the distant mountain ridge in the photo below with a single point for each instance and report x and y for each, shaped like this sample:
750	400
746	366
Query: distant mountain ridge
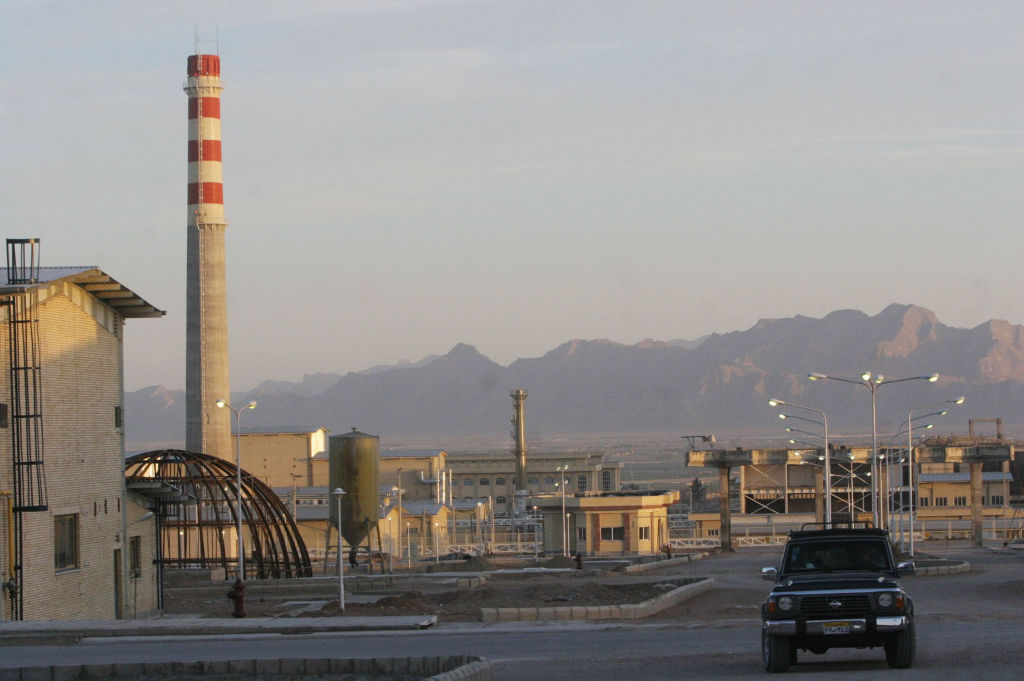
600	386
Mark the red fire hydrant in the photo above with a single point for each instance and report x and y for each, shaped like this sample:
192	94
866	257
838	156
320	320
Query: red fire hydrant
237	594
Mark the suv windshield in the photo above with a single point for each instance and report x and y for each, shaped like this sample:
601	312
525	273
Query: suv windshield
836	556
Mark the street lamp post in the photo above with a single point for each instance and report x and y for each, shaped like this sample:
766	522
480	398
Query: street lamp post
238	481
562	481
437	557
399	514
339	493
408	546
828	459
872	382
912	481
897	487
535	542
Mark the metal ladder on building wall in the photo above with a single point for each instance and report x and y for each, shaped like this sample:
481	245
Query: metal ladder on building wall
26	411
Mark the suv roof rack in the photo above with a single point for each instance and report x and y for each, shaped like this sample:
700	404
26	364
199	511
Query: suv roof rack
847	524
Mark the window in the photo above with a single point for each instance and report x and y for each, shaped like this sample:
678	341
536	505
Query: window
135	556
581	534
606	481
455	483
467	482
713	532
485	482
925	501
940	501
996	500
645	532
581	483
65	541
499	481
531	481
959	501
549	480
499	500
613	533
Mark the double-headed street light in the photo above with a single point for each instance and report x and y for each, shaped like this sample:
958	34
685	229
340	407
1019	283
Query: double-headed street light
872	382
913	464
828	459
238	481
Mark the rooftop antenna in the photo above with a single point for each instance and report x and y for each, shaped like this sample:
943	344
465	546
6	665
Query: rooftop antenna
196	41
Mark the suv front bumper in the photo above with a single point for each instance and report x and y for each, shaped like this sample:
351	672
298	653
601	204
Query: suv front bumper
817	627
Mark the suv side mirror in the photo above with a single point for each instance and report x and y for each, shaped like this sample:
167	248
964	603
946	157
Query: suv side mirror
770	573
905	568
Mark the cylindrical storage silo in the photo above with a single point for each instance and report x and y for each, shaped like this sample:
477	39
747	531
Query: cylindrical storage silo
353	468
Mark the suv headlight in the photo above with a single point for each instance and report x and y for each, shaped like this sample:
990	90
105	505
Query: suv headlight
785	603
885	600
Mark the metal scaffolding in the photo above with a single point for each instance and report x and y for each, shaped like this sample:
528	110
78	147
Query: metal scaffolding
199	532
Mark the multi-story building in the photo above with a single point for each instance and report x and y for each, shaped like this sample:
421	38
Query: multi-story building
83	545
790	482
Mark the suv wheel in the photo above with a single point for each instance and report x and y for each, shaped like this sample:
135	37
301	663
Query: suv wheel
900	648
777	652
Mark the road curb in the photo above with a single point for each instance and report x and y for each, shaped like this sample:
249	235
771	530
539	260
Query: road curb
630	611
440	668
681	560
953	569
70	631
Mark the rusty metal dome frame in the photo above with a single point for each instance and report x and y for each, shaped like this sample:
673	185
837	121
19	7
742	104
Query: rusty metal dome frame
198	526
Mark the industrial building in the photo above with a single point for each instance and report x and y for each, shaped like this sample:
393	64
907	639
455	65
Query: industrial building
963	479
74	542
605	523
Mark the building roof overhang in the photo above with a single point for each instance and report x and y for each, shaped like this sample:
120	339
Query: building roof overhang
94	281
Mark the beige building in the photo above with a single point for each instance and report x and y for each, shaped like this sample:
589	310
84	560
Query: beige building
605	523
790	483
85	546
443	496
285	457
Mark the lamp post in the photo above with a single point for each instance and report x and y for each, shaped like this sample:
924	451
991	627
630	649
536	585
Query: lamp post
476	518
898	487
408	546
872	382
562	481
535	542
339	493
828	459
437	557
238	480
399	513
913	464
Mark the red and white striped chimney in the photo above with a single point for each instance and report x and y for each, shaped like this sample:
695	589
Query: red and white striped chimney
207	428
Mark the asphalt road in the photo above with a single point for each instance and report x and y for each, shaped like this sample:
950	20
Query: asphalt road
969	626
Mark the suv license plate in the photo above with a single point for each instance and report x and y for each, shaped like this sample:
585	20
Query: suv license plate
835	628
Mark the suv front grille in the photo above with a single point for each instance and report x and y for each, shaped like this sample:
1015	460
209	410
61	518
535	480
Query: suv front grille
851	605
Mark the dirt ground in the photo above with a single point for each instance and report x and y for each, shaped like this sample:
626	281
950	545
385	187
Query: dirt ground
193	594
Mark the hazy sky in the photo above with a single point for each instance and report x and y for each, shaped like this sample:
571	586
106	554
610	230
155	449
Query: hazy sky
402	176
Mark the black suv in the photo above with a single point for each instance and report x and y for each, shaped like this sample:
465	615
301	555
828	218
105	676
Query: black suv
837	588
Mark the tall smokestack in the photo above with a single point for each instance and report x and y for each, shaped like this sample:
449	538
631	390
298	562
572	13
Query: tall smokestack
207	428
519	436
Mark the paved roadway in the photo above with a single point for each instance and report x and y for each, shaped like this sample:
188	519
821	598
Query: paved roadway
969	626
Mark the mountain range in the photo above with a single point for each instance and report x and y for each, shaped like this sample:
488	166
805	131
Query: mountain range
720	382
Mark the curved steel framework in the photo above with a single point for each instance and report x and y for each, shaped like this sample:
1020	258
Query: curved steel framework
200	532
